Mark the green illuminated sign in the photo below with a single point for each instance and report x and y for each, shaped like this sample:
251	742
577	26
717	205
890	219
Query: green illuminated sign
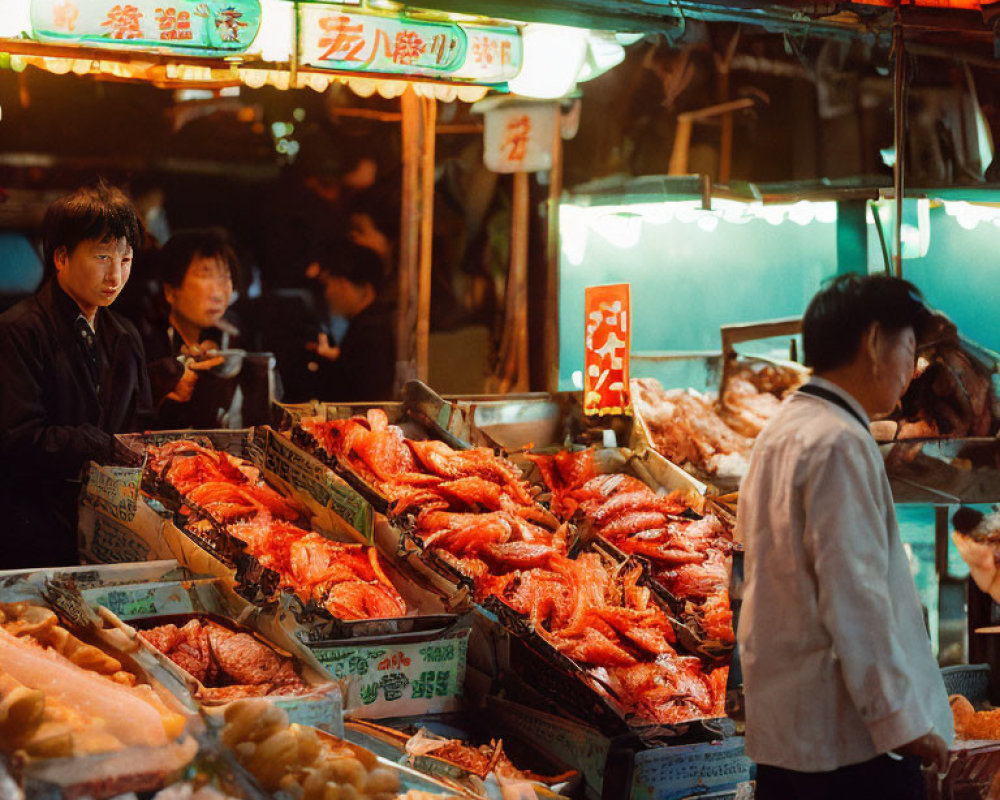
196	27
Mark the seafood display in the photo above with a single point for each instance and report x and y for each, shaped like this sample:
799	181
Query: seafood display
298	760
228	664
597	613
465	505
476	511
952	394
480	761
61	697
972	724
689	553
708	437
348	580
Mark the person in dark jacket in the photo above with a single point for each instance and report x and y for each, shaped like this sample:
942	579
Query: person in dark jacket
192	385
362	366
72	374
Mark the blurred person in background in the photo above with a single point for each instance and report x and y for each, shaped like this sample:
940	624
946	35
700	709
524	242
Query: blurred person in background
72	374
362	366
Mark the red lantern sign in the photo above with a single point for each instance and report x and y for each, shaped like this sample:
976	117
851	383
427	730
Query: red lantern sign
608	342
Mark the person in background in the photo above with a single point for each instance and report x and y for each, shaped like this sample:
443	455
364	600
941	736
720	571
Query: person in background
362	367
72	374
198	270
982	560
843	694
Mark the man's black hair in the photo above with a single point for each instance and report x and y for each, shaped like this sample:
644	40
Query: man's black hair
355	262
842	311
101	213
185	246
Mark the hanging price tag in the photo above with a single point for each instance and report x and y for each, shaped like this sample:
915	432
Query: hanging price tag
608	342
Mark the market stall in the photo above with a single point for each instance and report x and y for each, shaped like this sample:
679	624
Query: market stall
499	596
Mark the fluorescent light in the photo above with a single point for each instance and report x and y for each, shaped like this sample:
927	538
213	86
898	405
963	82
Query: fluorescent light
15	19
277	30
552	58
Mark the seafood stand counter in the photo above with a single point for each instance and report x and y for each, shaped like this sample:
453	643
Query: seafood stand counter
458	608
453	586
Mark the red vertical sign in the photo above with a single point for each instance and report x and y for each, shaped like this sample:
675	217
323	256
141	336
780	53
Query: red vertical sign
608	342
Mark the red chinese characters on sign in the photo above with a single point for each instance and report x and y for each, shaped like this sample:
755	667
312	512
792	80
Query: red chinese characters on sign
408	48
395	661
65	15
516	135
173	26
607	342
487	49
442	47
122	22
343	41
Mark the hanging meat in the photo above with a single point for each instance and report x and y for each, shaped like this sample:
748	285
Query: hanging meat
953	393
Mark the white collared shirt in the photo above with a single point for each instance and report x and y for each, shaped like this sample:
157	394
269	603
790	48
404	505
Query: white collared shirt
837	664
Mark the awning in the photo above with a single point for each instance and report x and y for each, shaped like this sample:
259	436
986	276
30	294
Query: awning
868	19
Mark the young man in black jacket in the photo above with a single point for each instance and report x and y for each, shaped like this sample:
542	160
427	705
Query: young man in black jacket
72	374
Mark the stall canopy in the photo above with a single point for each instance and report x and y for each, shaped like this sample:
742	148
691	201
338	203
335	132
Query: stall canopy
971	19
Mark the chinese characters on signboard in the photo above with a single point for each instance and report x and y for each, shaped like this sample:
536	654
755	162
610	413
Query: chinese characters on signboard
199	27
607	342
518	135
332	38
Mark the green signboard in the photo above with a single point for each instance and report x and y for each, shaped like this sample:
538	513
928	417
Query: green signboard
353	41
194	27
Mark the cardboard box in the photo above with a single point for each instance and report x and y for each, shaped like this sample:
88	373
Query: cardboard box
321	707
337	510
133	769
624	768
389	739
398	674
117	524
403	653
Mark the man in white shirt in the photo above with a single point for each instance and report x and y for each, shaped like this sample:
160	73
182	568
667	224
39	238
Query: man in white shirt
843	694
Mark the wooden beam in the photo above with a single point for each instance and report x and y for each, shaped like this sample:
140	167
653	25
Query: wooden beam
429	109
409	239
552	251
685	121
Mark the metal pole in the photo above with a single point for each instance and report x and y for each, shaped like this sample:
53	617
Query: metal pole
899	140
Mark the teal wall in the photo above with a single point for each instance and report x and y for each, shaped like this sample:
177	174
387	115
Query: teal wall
692	271
686	280
960	274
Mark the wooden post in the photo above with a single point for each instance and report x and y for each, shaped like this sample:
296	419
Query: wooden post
520	221
409	239
429	106
722	65
552	251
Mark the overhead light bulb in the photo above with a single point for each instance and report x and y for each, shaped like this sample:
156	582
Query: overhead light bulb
552	58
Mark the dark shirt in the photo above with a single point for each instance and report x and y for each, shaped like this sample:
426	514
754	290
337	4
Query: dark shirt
367	363
240	397
63	395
